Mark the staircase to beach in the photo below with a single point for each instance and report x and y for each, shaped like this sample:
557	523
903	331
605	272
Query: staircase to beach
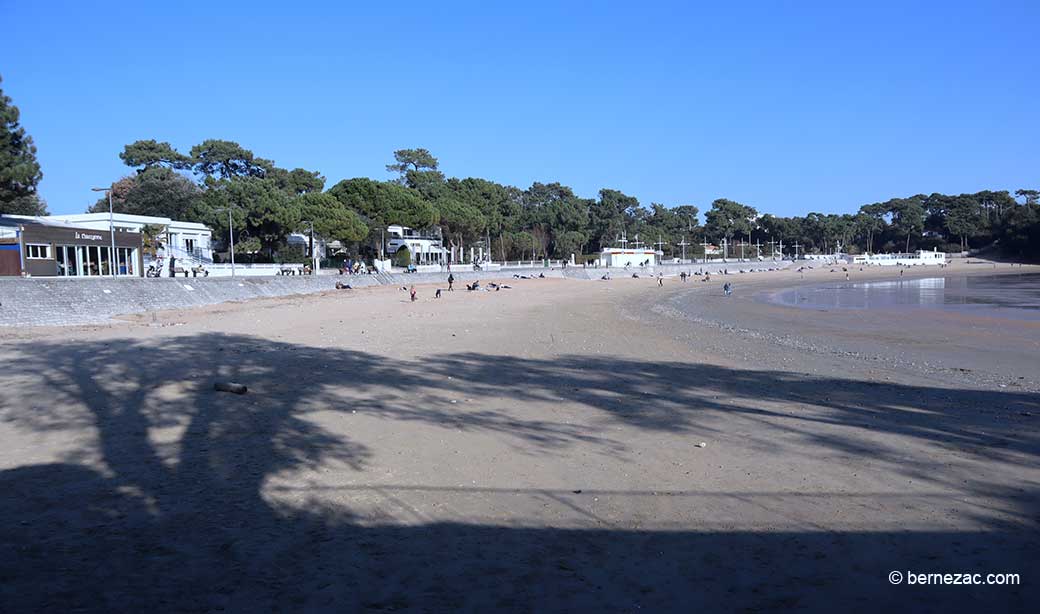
185	259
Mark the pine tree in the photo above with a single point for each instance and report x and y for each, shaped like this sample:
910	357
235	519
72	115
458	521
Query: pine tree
19	171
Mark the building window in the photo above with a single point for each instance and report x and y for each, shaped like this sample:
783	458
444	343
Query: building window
35	251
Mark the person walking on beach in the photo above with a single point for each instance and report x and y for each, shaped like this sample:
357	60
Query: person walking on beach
412	293
660	280
451	282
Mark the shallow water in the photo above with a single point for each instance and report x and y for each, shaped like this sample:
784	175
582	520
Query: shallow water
1007	296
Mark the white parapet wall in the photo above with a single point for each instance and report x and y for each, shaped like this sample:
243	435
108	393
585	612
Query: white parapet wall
249	270
917	258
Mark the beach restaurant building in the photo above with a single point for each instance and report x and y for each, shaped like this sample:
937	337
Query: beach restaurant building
38	247
628	257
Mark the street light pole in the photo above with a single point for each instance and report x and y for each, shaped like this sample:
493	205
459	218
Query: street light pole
111	231
314	260
231	235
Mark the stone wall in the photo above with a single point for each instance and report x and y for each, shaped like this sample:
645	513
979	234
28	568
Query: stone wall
55	301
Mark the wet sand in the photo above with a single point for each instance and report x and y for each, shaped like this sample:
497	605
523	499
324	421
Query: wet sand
530	449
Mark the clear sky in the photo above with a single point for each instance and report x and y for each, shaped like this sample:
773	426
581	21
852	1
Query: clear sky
790	107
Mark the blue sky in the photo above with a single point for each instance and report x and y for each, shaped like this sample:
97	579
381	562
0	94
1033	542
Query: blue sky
790	107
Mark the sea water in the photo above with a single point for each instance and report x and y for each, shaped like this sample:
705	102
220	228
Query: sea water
1008	296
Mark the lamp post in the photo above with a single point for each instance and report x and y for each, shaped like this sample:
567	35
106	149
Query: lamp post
310	248
231	236
111	230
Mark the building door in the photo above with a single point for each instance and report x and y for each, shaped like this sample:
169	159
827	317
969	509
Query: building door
68	260
10	259
82	260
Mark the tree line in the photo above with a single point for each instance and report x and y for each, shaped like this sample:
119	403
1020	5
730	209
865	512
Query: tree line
266	203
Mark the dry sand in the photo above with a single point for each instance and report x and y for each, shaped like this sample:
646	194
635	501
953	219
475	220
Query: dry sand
534	449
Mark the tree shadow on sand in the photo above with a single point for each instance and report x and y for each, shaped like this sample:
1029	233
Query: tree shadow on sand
160	505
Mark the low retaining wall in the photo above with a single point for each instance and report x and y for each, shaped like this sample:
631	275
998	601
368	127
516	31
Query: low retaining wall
56	301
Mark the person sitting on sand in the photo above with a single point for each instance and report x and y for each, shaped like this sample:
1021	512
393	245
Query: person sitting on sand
727	288
412	293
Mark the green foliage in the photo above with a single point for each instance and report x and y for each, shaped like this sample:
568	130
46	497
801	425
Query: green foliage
728	219
332	219
227	159
259	208
268	202
459	221
402	257
1031	197
568	242
296	254
963	219
520	244
383	203
19	170
412	159
149	154
297	181
156	191
609	216
247	245
500	205
552	209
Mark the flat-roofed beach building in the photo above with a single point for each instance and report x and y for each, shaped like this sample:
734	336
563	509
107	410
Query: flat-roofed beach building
42	247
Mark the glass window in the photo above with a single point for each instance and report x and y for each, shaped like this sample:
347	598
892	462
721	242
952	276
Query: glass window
125	260
89	256
59	255
35	251
71	260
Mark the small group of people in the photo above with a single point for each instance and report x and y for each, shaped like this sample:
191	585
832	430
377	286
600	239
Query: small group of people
353	267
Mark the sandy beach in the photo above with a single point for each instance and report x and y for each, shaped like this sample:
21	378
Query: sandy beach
557	446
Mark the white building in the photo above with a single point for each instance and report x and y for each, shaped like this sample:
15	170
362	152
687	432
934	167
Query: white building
920	257
425	248
186	240
628	257
303	241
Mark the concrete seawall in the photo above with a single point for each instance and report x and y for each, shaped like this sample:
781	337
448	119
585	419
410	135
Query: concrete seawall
63	302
